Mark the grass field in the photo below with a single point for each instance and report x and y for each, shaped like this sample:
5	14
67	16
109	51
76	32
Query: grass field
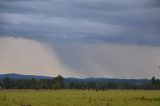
79	98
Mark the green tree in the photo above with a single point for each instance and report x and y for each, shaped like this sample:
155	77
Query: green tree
58	82
153	80
8	83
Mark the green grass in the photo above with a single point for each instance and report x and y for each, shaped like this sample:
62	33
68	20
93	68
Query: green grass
80	98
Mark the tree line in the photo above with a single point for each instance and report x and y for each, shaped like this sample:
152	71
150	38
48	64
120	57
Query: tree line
59	83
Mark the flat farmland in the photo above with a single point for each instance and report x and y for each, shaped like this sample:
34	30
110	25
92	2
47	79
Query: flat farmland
79	98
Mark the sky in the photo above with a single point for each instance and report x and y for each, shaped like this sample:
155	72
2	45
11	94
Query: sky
80	38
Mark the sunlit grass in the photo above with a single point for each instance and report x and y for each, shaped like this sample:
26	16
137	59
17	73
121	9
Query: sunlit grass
79	98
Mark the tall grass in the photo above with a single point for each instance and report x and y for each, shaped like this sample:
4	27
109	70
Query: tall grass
79	98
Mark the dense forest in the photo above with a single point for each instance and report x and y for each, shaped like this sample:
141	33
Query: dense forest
59	83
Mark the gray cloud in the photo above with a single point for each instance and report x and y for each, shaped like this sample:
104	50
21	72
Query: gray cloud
115	21
109	60
88	37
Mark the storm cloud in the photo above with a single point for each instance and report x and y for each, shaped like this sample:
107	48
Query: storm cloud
125	21
85	26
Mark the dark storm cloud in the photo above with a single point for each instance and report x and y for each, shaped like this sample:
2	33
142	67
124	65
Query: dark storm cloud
84	37
114	21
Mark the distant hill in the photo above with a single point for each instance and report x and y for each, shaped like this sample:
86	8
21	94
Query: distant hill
78	80
20	76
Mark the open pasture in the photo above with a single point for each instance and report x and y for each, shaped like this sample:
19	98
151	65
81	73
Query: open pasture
79	98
